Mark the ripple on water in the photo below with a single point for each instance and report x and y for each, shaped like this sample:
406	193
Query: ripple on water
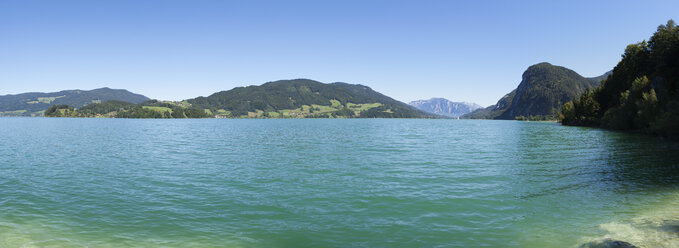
327	183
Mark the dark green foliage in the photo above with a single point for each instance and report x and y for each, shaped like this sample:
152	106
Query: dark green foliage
141	113
582	110
194	113
60	111
668	120
31	102
104	108
344	112
178	111
177	115
118	109
382	112
634	64
292	94
533	118
642	93
540	95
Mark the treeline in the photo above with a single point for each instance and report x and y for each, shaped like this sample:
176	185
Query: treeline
536	118
641	94
118	109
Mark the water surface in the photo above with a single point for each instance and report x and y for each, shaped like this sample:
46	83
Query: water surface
331	183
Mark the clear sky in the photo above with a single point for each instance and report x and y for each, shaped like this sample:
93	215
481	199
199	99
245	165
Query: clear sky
470	51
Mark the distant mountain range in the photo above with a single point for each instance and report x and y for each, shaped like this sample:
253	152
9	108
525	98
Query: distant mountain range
35	103
299	98
445	107
540	95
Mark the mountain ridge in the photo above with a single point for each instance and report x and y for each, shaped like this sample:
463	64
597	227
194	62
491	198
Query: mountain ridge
35	103
296	98
305	98
543	89
445	107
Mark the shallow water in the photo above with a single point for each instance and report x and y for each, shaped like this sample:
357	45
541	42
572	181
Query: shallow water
331	183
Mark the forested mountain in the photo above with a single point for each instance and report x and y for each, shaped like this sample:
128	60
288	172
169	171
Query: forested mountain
303	98
544	88
34	103
642	93
445	107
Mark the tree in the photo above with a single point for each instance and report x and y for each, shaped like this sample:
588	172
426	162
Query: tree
642	93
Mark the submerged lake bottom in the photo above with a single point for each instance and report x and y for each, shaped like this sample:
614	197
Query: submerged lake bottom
332	183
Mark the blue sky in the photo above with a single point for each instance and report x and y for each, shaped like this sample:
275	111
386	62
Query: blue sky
470	51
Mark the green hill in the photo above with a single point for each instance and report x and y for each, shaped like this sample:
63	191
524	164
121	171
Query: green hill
117	109
303	98
641	94
35	103
544	88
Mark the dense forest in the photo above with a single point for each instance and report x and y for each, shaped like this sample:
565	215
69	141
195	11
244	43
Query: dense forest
544	88
34	104
306	98
641	94
118	109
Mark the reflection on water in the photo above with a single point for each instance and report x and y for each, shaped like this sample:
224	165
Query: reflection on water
638	163
593	183
331	183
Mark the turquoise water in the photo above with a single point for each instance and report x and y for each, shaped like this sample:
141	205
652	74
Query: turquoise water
331	183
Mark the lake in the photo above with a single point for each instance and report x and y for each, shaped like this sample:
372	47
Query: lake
331	183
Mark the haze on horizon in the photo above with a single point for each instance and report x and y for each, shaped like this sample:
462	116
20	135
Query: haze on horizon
409	50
